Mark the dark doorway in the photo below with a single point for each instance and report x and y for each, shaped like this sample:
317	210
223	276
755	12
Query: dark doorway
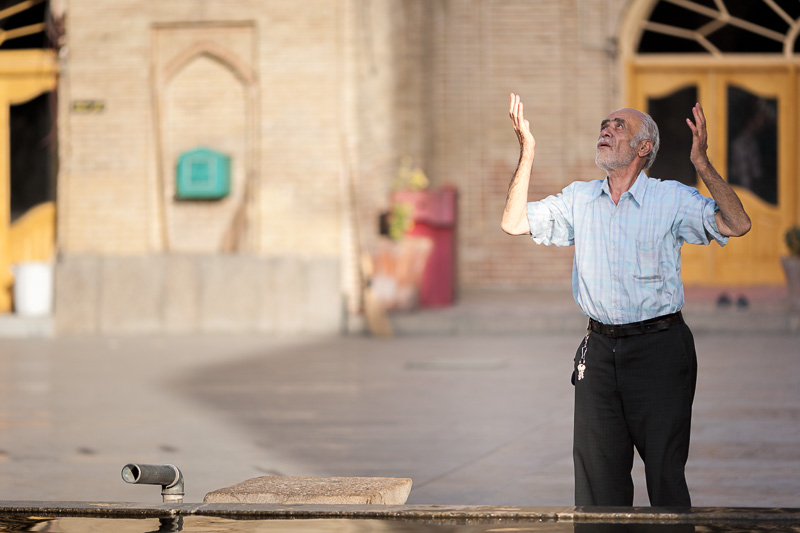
33	153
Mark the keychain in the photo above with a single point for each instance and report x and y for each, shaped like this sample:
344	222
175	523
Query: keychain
582	362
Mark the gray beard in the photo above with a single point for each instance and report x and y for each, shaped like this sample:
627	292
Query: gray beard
612	161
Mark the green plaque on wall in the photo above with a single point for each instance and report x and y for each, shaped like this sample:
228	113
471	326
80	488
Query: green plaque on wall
203	174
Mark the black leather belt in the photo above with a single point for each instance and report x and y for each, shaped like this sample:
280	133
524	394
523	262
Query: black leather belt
637	328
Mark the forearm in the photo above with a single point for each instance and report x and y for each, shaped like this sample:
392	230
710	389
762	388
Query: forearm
732	219
515	214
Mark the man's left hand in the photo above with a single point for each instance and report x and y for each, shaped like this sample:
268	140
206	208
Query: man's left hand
731	218
698	155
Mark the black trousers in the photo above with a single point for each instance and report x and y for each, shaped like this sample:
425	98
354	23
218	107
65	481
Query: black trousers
637	392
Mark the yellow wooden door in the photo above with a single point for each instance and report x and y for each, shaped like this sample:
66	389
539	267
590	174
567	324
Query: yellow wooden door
751	120
757	117
24	74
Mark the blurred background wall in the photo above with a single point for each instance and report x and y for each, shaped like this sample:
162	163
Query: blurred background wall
314	106
304	100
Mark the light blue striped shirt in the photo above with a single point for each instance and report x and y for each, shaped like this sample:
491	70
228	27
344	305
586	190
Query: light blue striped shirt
627	265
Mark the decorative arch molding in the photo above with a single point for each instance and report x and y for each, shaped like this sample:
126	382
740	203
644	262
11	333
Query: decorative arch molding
211	50
632	27
699	27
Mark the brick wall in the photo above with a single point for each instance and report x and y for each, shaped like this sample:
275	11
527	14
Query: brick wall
550	52
311	100
117	167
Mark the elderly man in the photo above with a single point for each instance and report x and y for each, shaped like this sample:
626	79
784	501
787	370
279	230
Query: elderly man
635	370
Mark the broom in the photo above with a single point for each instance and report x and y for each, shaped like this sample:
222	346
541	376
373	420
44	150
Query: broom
377	322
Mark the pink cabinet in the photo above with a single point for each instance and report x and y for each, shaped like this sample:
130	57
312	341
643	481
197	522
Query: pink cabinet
434	215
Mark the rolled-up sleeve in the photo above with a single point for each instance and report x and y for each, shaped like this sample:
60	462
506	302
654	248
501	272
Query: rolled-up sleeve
551	221
698	223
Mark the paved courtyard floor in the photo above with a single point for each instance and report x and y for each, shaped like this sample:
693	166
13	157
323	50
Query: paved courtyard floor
472	419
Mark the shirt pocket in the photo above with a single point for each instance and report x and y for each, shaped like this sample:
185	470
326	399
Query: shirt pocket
648	260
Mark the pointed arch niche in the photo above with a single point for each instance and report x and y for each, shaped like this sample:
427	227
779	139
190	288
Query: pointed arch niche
205	95
739	59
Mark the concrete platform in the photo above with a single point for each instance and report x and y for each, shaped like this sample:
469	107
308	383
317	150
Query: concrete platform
315	490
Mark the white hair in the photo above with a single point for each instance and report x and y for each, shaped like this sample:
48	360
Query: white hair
648	131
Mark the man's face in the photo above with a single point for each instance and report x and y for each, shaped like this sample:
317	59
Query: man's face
614	148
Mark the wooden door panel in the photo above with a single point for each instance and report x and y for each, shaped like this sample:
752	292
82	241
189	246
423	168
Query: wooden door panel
697	266
755	258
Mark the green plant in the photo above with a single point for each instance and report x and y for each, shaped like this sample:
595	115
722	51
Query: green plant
400	220
409	177
793	240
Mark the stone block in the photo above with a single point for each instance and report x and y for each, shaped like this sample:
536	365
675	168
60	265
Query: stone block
187	293
288	301
294	490
76	294
131	294
325	303
230	293
270	310
182	283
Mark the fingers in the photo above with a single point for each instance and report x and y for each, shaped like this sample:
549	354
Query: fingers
515	109
699	124
522	127
517	113
699	135
699	116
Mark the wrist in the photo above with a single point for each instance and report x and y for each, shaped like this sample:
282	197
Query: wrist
526	151
702	167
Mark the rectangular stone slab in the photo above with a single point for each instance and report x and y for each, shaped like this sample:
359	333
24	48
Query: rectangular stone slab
315	490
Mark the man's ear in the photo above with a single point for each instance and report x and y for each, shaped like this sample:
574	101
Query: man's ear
645	147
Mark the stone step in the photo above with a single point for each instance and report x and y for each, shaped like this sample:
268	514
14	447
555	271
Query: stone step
503	315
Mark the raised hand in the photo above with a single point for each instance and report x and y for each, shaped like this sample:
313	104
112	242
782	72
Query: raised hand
698	155
731	218
522	127
515	215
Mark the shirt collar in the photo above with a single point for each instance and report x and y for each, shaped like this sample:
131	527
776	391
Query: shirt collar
637	190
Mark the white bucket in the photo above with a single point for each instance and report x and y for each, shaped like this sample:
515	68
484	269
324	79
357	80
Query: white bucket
33	288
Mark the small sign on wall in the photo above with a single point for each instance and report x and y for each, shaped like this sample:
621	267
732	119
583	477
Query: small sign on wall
203	174
88	106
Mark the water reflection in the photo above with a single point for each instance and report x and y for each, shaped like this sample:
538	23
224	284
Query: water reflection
169	525
14	523
635	528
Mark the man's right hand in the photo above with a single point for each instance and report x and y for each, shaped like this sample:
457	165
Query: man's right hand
515	215
521	126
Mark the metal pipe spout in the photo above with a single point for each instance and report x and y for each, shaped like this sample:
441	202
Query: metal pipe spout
168	476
